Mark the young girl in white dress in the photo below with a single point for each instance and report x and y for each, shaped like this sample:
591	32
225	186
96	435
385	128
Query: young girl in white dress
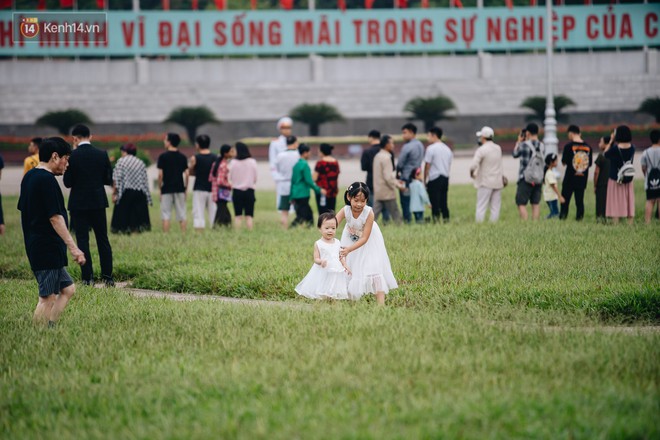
364	248
328	277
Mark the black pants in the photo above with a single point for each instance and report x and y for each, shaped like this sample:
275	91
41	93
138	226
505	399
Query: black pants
222	214
601	201
2	215
95	220
330	203
304	214
437	190
568	188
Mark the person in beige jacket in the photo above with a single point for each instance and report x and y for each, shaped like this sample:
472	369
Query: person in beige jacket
385	183
486	170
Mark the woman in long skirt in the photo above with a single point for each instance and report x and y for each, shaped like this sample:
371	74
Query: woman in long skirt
131	194
221	186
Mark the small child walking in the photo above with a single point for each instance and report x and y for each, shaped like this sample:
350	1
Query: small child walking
419	198
601	176
328	277
364	248
551	193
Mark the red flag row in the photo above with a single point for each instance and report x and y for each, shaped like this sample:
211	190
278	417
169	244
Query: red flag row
284	4
41	4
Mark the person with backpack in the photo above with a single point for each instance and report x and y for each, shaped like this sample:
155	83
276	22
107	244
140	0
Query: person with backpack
651	170
531	152
577	157
620	193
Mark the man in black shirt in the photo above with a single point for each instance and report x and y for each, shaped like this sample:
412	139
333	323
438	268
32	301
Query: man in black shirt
577	157
367	159
173	182
88	173
45	230
367	163
200	167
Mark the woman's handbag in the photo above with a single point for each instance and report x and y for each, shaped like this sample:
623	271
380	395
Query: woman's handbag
224	194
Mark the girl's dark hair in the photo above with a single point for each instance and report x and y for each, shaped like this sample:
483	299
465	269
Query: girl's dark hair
413	173
549	158
242	151
384	140
224	149
326	149
354	189
623	134
326	216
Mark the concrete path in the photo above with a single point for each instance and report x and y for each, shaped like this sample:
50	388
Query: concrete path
143	293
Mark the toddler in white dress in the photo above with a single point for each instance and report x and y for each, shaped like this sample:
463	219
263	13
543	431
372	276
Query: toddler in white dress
328	277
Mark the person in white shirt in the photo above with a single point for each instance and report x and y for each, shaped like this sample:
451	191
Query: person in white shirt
437	163
486	170
286	160
277	146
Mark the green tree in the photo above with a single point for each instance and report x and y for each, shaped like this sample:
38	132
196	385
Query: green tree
314	115
537	105
651	106
191	118
429	110
63	120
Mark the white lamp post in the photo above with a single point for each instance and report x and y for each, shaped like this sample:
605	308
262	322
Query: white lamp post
550	123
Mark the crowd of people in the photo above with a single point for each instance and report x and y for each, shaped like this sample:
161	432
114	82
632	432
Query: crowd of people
356	265
537	175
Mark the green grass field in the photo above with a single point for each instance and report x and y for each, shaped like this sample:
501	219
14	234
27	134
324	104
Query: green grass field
513	330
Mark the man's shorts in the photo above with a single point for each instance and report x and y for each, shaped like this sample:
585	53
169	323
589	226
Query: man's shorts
284	204
179	202
52	281
527	192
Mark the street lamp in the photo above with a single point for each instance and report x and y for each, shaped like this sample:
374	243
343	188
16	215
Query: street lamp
550	123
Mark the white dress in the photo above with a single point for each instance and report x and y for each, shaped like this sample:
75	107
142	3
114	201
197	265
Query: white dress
325	282
369	264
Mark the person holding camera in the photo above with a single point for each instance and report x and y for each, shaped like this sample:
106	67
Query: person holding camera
531	152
